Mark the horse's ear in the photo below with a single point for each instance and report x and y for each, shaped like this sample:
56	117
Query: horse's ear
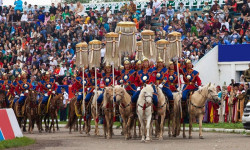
144	84
209	84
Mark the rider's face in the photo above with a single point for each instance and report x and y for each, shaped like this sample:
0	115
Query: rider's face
145	64
126	66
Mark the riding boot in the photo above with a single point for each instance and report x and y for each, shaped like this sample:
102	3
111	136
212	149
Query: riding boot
78	107
19	109
133	107
99	109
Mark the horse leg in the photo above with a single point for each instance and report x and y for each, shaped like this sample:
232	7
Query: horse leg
148	126
57	127
134	126
162	127
24	124
139	126
105	127
200	126
125	127
184	134
142	128
190	126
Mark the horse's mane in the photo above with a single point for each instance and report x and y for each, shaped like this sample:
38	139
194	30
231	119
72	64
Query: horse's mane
2	92
105	100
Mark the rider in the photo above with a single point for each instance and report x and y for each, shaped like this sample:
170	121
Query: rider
78	87
138	65
24	85
107	77
48	88
91	84
127	78
144	76
14	87
191	79
9	91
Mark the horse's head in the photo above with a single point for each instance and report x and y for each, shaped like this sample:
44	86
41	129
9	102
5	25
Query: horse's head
119	93
109	93
59	99
211	92
32	95
148	92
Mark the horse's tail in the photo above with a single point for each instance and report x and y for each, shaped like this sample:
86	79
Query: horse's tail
71	117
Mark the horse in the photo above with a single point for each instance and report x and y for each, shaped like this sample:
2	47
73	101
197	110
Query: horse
161	111
177	113
196	106
73	116
108	112
32	110
55	103
123	100
2	99
144	110
93	111
21	114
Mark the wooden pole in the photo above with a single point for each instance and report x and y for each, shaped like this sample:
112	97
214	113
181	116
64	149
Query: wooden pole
83	91
96	92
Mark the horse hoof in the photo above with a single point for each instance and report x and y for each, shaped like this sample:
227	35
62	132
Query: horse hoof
143	141
184	136
160	138
88	134
201	137
174	135
80	132
122	133
147	139
169	135
190	137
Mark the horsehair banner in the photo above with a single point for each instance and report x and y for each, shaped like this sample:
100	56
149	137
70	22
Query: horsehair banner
112	53
175	45
148	44
127	37
82	54
95	53
162	47
9	128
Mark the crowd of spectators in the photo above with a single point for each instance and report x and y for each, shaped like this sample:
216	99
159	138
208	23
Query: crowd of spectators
37	40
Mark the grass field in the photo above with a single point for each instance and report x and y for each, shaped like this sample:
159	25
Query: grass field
17	142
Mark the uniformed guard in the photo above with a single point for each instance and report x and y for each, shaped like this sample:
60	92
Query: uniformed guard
107	77
145	76
170	82
24	85
138	65
49	88
127	78
8	90
15	87
191	79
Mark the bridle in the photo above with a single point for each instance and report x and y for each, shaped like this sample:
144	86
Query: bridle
145	106
214	99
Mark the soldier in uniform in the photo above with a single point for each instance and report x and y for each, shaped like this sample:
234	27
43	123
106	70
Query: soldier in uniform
14	87
91	84
138	65
144	76
7	87
107	77
77	87
24	85
127	78
191	79
48	87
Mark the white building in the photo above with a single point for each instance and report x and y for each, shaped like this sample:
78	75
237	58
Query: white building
211	70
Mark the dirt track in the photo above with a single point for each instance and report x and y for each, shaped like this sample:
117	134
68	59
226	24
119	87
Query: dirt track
63	140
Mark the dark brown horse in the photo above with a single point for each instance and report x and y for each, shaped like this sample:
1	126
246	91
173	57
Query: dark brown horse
2	99
20	112
32	110
73	116
55	104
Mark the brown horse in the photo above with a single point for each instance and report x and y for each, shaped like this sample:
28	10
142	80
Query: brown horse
21	113
196	106
2	99
73	116
108	112
32	110
123	99
55	103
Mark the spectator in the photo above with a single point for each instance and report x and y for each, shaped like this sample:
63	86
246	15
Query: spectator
63	110
206	8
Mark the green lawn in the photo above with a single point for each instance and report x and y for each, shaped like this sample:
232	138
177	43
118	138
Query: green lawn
220	125
17	142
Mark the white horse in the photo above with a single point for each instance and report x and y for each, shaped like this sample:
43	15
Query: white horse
144	110
196	106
